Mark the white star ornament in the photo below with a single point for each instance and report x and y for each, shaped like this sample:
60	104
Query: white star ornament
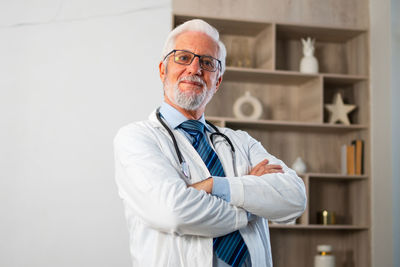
339	111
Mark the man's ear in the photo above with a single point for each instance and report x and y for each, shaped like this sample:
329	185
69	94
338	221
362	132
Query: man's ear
162	70
218	83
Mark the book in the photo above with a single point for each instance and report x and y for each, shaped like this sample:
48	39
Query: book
359	156
350	162
343	159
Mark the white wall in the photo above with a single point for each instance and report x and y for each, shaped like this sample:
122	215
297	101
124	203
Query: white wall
71	73
385	248
396	128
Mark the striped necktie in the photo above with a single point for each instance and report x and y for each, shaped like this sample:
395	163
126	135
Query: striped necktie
230	248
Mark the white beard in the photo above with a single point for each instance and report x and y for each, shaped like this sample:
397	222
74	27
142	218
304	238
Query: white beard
190	100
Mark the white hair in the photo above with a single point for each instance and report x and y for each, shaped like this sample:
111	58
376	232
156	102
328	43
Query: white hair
196	25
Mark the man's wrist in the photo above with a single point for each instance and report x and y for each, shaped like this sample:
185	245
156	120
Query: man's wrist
209	182
205	185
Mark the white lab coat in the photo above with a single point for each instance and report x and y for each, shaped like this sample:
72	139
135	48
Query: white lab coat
171	224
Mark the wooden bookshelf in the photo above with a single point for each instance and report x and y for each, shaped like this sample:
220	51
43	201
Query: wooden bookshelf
294	121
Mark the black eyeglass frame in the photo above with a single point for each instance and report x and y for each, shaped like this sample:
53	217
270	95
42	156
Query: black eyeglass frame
195	55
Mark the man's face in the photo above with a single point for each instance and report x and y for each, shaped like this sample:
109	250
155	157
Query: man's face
188	86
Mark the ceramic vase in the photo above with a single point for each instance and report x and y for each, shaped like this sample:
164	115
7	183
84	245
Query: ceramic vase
299	166
308	64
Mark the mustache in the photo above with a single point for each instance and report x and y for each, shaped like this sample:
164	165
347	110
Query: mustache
192	78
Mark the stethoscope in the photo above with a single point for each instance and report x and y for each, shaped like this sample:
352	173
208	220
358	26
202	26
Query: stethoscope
182	162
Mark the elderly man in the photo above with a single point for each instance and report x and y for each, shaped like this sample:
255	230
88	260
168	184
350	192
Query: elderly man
196	194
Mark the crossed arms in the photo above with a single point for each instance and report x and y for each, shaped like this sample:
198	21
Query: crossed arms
153	190
260	169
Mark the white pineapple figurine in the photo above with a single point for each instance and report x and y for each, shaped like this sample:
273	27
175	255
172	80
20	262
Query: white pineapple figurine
308	63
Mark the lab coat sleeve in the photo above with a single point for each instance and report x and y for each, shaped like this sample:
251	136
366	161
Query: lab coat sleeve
154	192
279	197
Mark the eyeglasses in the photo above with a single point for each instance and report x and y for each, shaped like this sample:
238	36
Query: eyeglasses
184	57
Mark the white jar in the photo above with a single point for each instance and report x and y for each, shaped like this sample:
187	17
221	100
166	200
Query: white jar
324	258
299	166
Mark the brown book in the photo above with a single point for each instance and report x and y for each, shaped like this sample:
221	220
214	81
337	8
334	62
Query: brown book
350	160
359	157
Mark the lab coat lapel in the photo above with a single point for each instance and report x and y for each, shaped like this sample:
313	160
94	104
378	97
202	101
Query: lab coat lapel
190	155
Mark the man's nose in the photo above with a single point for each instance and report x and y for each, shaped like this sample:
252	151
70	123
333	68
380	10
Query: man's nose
194	67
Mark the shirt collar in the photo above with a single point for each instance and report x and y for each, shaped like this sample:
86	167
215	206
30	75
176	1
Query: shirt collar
174	118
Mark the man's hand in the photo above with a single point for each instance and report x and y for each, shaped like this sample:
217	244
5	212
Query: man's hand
205	185
263	168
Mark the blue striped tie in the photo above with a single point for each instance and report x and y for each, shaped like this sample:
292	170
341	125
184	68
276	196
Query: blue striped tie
230	248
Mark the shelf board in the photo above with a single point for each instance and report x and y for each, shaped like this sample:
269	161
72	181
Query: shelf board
321	34
228	26
334	176
287	76
288	125
317	227
298	30
267	76
343	79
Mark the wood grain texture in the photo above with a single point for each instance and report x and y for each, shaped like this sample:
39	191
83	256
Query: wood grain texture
348	57
292	123
355	94
264	49
335	13
297	247
268	125
279	101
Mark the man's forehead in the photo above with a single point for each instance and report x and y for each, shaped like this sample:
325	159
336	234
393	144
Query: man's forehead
197	42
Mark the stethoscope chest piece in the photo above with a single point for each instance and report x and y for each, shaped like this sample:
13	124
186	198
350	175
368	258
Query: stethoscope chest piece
185	169
184	166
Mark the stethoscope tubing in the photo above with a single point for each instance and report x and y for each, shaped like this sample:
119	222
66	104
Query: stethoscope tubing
178	152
